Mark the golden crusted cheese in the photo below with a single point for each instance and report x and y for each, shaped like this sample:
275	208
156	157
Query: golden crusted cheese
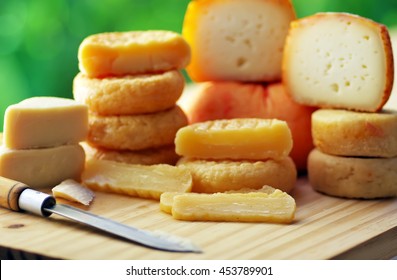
245	138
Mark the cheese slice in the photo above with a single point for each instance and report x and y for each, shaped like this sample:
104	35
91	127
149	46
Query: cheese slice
42	168
245	138
41	122
73	191
276	207
146	181
167	198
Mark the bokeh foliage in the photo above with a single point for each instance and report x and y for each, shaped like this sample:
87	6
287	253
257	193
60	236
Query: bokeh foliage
39	38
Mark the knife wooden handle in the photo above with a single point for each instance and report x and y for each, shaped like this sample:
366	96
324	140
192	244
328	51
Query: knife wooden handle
10	191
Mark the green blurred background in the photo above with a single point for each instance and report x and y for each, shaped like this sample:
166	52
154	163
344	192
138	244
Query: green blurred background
39	39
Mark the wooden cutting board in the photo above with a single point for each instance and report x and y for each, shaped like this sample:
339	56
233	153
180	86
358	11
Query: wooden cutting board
324	228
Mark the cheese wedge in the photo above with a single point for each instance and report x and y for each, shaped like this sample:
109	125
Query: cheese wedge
42	168
136	180
276	207
73	191
338	60
245	138
134	52
41	122
234	40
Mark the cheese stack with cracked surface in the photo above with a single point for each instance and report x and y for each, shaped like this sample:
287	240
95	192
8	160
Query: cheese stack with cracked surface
131	82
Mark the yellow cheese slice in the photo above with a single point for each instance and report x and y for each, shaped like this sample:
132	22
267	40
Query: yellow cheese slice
167	198
134	179
274	207
245	138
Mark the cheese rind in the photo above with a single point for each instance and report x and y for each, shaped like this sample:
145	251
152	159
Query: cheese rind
41	122
338	60
245	138
134	52
42	168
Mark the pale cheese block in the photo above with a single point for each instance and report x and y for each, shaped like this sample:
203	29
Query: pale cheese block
244	138
234	40
41	122
133	52
338	60
42	168
349	133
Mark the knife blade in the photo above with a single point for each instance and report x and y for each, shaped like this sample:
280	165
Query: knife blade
17	196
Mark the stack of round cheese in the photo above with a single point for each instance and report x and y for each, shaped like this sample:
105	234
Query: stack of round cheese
131	82
225	155
237	48
343	63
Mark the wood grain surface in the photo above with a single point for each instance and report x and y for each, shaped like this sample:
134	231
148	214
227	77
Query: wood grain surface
324	228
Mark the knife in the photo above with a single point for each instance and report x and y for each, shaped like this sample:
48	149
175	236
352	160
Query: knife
19	197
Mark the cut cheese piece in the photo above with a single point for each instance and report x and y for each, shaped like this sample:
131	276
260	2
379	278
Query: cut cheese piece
41	122
134	52
338	60
73	191
136	180
129	95
234	40
276	207
42	168
166	201
167	198
245	138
